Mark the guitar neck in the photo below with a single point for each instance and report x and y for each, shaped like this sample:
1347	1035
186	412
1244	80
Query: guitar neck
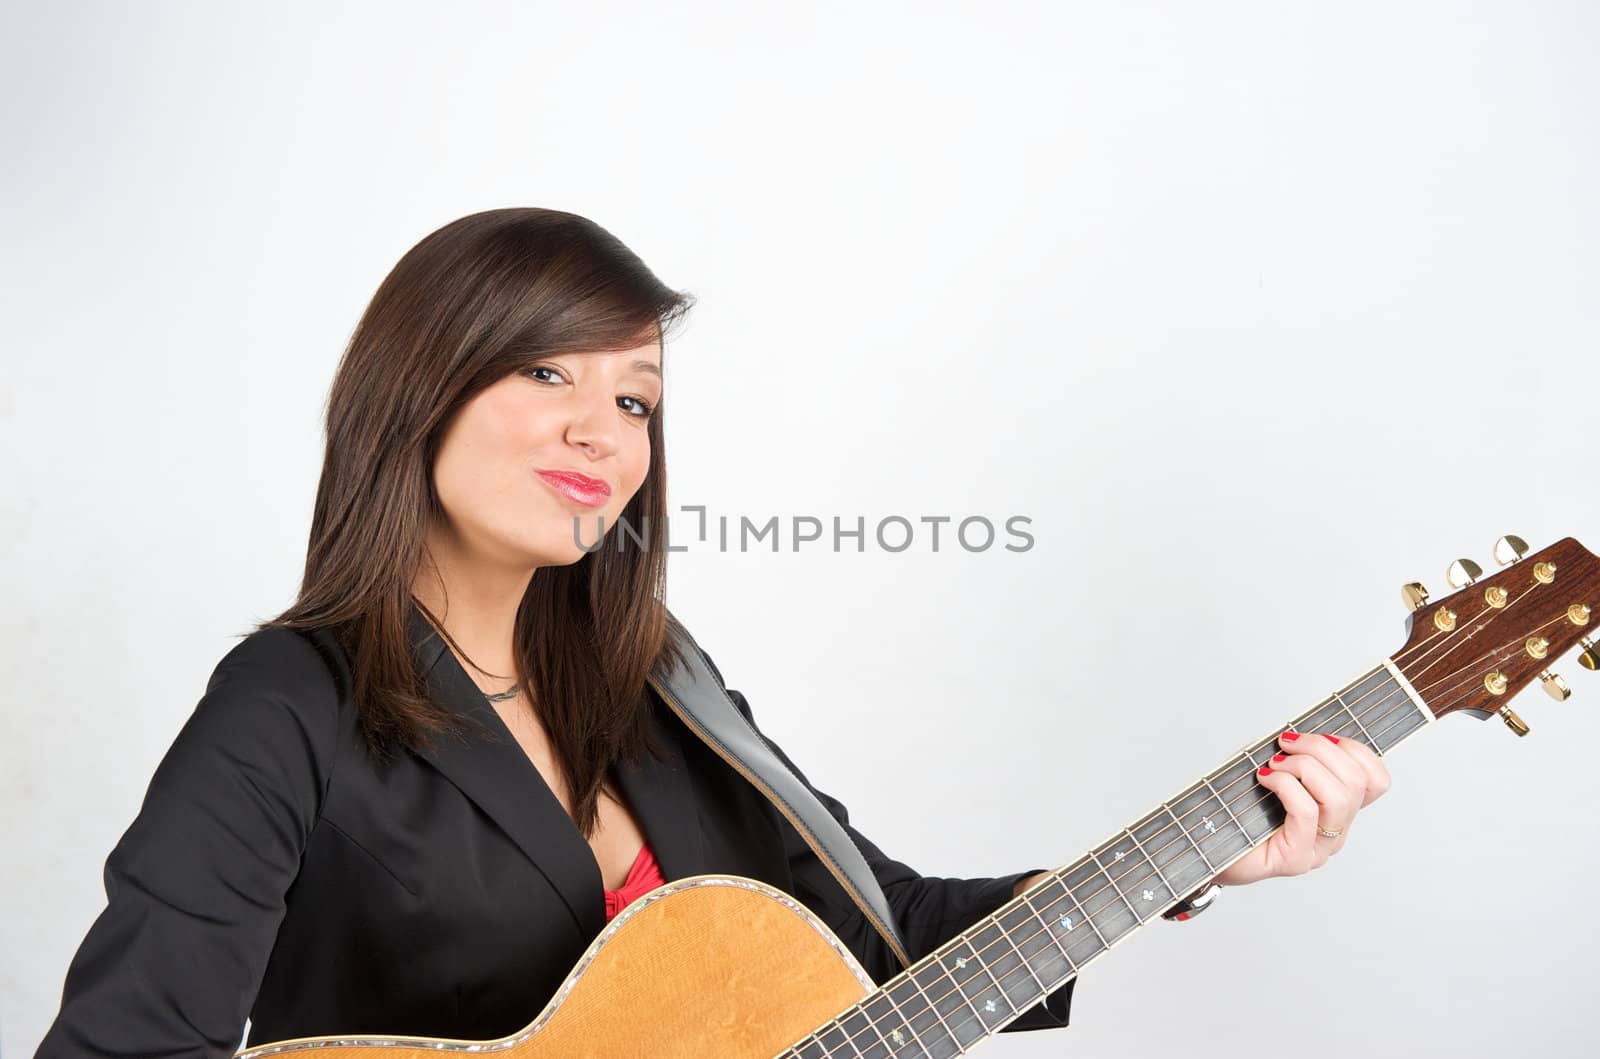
979	981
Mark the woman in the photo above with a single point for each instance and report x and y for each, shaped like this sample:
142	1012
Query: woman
407	804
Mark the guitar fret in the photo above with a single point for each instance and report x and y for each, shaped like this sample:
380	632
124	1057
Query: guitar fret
1201	809
1151	861
1090	884
973	968
809	1046
836	1037
1210	868
1006	934
1408	694
876	1021
961	989
1054	937
1396	708
948	1032
1365	735
1310	722
1229	810
1137	921
914	1004
1048	961
984	966
1408	720
1173	850
887	1024
1005	961
1263	807
860	1034
1061	881
897	1038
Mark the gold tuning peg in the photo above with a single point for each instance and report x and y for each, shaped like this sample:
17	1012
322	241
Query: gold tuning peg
1509	549
1555	687
1590	658
1463	572
1415	595
1513	722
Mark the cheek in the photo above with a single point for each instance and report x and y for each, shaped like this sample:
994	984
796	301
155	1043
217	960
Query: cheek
465	482
483	455
634	458
637	465
629	472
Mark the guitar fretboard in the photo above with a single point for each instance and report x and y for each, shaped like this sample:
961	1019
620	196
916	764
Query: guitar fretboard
975	984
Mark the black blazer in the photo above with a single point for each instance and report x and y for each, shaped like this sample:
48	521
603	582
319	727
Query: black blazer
274	872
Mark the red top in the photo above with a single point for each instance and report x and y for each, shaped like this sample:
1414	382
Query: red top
644	876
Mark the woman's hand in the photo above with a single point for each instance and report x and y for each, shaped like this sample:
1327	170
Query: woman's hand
1322	781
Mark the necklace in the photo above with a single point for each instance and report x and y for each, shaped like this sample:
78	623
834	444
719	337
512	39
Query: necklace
500	696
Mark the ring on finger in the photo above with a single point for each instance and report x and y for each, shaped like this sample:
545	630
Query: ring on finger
1325	833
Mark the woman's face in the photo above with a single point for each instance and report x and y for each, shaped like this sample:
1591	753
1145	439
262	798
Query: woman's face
534	465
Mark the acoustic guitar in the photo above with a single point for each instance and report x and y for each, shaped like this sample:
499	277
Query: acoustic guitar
720	965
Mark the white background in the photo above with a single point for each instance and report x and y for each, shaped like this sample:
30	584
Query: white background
1256	310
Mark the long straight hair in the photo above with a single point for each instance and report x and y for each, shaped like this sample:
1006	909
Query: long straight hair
476	300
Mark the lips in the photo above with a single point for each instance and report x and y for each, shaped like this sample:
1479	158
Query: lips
590	492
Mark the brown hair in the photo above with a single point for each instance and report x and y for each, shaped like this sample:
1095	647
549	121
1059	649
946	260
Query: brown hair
474	301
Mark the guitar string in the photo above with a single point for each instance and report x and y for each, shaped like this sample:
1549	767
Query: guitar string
1510	605
1445	639
1048	911
1501	655
1149	858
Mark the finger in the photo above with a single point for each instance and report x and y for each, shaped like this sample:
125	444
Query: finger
1298	835
1377	772
1336	803
1329	749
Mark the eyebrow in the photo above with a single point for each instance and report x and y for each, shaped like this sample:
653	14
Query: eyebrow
646	367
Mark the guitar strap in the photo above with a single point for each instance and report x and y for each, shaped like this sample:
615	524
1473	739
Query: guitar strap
695	694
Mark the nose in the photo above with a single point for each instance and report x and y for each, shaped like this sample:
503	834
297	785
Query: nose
593	426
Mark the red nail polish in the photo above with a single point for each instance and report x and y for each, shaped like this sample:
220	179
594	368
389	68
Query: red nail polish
1265	771
1290	737
1279	757
1333	737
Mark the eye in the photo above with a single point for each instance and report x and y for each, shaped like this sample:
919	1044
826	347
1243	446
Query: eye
645	408
530	372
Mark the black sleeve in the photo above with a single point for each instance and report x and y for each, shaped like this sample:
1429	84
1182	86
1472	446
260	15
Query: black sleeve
195	887
928	910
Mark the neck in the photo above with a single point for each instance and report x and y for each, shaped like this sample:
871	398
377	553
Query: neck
476	604
976	983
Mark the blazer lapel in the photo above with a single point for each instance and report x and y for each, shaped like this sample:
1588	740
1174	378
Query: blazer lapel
492	770
661	796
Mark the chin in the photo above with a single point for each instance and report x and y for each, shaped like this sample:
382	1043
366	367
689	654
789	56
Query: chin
557	547
563	552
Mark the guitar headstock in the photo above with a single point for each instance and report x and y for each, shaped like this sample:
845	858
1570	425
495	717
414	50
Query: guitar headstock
1475	649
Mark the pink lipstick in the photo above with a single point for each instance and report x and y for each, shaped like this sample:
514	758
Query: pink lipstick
590	492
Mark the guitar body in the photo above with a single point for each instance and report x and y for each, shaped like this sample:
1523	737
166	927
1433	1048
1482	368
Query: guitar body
709	965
